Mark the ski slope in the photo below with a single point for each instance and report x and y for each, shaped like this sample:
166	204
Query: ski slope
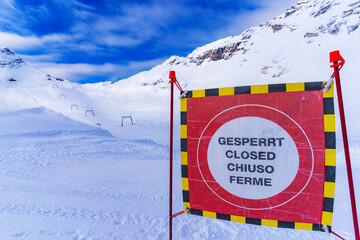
62	179
66	174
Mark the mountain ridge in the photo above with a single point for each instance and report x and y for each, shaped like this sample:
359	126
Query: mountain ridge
308	23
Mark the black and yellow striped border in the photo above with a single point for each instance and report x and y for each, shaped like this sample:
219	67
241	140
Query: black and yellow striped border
330	151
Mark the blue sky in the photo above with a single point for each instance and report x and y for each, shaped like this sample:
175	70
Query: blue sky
93	40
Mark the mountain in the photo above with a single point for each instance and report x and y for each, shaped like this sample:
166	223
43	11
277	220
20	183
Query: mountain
16	72
292	47
22	86
25	87
67	179
289	47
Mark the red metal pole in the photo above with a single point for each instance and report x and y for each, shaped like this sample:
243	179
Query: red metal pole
171	154
177	214
338	235
346	147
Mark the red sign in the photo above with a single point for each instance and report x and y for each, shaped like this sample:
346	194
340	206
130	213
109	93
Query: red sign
260	156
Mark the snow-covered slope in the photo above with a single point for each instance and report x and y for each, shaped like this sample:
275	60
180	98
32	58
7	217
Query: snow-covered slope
63	179
292	47
41	121
24	87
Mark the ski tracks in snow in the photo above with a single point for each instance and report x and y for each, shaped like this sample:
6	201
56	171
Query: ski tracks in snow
90	185
82	186
114	220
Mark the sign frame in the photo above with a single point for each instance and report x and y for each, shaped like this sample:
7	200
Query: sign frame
330	152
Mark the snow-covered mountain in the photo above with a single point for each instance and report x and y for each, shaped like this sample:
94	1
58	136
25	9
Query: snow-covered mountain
292	47
15	72
25	87
67	180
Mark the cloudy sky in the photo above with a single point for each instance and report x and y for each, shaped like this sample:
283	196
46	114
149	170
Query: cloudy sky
99	40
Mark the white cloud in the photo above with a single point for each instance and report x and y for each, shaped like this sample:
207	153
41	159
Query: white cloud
135	24
252	18
132	25
41	57
77	4
18	42
82	71
9	3
114	40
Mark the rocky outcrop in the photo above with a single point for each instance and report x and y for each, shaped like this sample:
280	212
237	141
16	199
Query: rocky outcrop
277	27
322	10
216	54
9	59
310	35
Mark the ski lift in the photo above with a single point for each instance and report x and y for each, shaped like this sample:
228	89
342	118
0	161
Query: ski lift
126	117
74	106
89	112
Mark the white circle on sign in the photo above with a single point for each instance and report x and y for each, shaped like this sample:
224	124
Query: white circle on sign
253	158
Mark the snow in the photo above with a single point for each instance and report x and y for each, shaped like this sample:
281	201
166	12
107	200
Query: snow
77	181
62	179
64	175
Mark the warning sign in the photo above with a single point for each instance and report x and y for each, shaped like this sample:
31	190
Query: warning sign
256	164
260	154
